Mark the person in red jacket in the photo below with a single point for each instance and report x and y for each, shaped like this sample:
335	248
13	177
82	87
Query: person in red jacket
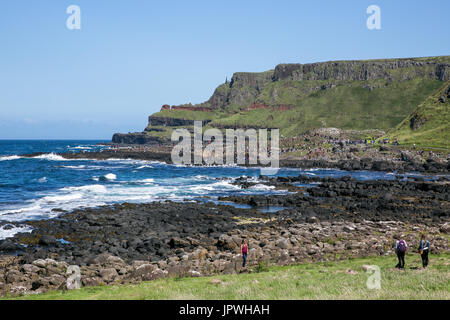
244	252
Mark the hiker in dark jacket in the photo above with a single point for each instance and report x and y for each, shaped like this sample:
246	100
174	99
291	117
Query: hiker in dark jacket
424	248
400	249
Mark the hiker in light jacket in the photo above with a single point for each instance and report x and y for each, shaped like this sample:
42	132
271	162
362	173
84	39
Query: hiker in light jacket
400	249
424	248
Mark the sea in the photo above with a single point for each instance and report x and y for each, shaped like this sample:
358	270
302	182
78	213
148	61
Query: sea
35	188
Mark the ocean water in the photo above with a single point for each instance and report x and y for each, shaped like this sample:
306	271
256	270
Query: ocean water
32	188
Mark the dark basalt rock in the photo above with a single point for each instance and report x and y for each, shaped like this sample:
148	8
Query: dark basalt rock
135	138
47	240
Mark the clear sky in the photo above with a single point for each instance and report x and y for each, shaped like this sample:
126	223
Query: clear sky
130	57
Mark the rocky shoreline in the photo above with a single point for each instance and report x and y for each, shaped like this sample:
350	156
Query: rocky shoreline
430	166
320	219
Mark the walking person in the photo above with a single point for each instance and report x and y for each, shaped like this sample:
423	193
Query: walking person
400	249
244	252
424	248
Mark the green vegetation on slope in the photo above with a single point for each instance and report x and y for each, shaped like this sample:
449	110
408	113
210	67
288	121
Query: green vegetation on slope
429	124
186	114
326	280
379	105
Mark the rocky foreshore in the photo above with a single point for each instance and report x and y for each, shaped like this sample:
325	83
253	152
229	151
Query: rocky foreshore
320	219
410	164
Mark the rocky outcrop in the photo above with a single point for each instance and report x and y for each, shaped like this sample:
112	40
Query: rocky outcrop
363	70
241	90
416	121
135	138
189	107
256	106
172	122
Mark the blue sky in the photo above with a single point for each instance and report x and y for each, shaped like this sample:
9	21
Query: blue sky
130	57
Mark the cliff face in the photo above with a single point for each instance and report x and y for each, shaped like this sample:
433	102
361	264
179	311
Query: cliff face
296	97
407	69
244	88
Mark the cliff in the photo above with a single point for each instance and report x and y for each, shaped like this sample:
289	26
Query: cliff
372	94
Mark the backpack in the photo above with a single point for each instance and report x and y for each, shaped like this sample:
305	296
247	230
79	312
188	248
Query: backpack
401	246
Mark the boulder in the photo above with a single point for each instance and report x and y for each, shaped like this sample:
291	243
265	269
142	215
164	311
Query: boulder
144	272
312	219
15	276
91	281
226	242
5	261
108	274
157	274
193	273
47	240
199	254
18	290
9	246
283	243
29	268
178	243
43	263
445	228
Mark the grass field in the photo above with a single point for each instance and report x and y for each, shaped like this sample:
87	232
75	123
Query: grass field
326	280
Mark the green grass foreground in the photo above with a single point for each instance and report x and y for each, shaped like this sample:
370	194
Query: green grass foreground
324	280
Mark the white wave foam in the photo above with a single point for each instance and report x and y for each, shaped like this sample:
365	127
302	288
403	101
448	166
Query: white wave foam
42	180
262	187
19	211
94	188
75	167
109	176
149	180
8	158
62	198
145	166
10	231
206	188
81	148
50	157
200	177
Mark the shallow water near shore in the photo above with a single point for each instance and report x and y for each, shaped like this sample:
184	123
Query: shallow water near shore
44	186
